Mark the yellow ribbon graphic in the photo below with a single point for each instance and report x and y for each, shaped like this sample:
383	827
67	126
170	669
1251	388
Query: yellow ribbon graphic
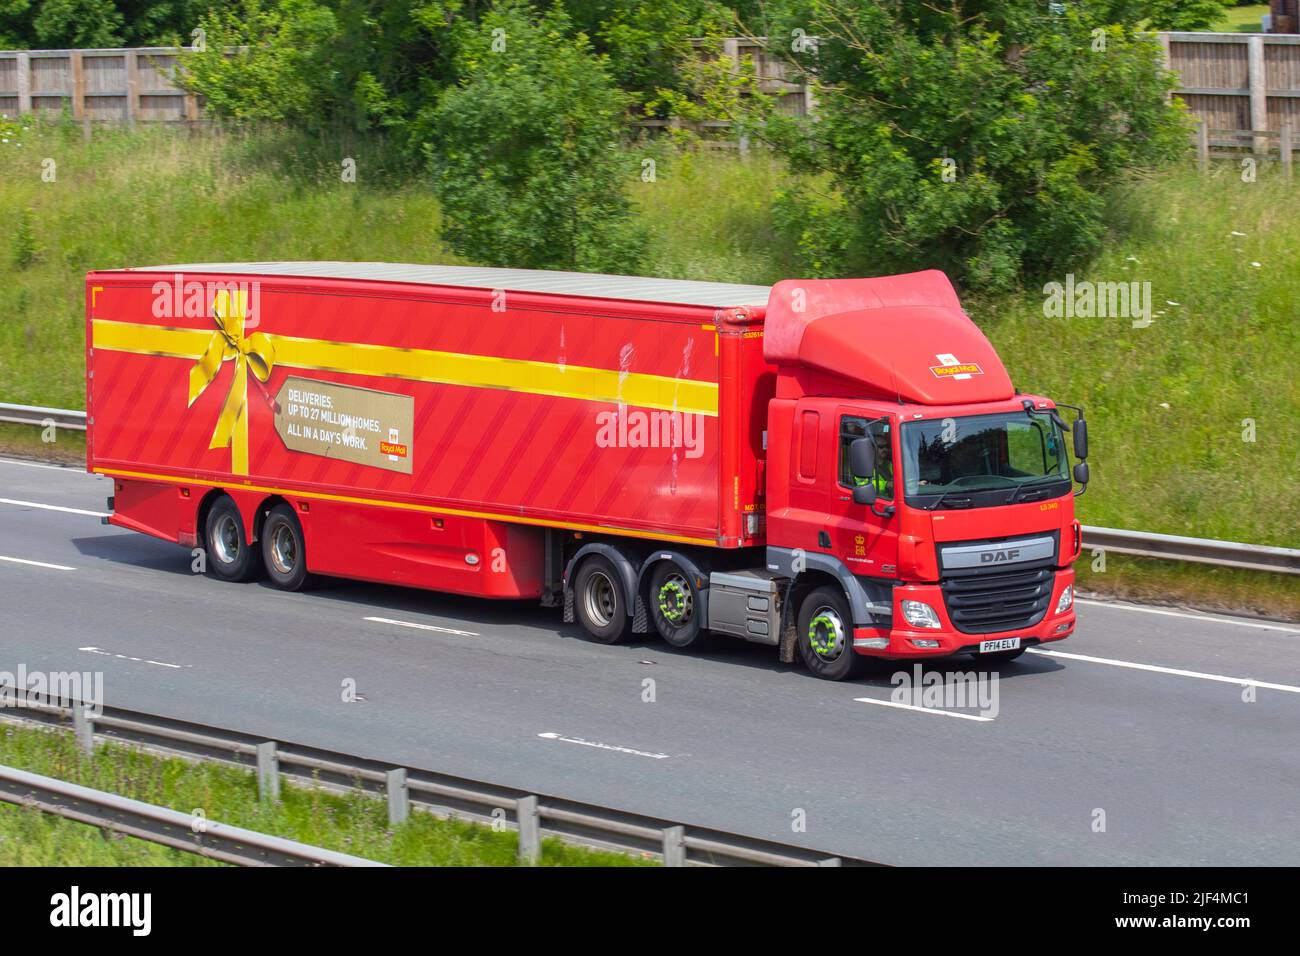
263	351
229	343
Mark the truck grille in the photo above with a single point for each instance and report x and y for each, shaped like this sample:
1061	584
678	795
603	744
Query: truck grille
987	603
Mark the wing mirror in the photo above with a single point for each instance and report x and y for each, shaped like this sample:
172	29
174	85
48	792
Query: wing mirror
864	495
862	458
1080	434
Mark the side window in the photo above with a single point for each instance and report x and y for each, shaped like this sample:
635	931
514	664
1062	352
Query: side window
852	428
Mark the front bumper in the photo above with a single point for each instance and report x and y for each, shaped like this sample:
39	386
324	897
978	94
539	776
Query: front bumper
899	643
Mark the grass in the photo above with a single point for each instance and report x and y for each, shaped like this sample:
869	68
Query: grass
355	824
1169	405
68	448
1241	19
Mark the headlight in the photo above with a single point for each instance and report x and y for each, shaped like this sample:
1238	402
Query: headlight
1067	600
919	614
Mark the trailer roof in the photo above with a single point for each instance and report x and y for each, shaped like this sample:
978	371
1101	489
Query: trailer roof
635	288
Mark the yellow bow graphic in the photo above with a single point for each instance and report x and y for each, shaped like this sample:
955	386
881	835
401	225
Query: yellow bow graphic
229	342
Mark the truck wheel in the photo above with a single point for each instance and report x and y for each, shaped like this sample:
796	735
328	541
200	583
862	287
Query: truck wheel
826	635
229	556
599	602
283	550
675	606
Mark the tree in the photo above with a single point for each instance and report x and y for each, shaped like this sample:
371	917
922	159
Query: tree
325	64
976	137
78	23
524	147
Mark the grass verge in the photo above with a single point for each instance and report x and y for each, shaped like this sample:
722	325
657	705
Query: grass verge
25	441
355	824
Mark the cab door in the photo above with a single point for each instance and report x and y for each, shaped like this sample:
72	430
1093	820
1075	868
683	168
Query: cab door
864	537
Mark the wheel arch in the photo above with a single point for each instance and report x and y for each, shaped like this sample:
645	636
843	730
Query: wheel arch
815	569
263	509
625	562
684	561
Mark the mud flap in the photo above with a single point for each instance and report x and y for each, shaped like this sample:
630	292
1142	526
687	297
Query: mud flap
789	635
640	618
568	606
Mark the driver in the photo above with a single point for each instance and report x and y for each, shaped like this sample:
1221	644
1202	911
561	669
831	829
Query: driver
883	478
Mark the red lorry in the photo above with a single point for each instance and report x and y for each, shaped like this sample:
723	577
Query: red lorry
837	468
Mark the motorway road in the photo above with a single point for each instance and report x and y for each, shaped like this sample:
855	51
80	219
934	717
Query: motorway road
1185	771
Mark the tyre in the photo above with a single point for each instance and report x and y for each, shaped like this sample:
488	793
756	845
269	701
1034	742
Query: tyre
599	602
675	606
284	552
1000	657
826	635
229	556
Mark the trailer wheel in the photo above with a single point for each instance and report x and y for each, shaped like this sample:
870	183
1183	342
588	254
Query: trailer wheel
675	606
284	551
826	635
229	556
599	601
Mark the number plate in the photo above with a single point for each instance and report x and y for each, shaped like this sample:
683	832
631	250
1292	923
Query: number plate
1006	644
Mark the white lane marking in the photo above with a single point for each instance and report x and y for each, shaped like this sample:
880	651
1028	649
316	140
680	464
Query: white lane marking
591	743
127	657
45	507
924	710
38	564
1195	617
1176	672
422	627
70	469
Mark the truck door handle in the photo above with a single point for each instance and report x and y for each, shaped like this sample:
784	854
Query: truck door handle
823	539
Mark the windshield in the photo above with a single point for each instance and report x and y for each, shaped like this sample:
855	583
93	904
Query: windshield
981	453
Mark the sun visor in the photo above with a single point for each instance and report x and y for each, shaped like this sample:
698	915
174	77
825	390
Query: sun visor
903	336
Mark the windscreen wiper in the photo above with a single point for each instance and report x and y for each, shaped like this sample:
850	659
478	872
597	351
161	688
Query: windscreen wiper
1015	495
943	497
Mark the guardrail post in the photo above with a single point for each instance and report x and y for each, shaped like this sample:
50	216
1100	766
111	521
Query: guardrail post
268	772
530	830
675	846
398	796
83	729
1203	147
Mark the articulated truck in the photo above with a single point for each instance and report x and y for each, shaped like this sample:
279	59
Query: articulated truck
840	469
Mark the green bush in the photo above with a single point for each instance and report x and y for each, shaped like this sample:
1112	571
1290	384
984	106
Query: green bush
525	149
972	137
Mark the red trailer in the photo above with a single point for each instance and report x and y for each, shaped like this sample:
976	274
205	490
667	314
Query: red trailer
836	467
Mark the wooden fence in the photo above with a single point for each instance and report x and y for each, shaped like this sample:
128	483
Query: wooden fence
99	85
1234	83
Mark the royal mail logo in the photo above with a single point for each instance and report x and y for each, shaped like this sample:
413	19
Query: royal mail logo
392	448
949	367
